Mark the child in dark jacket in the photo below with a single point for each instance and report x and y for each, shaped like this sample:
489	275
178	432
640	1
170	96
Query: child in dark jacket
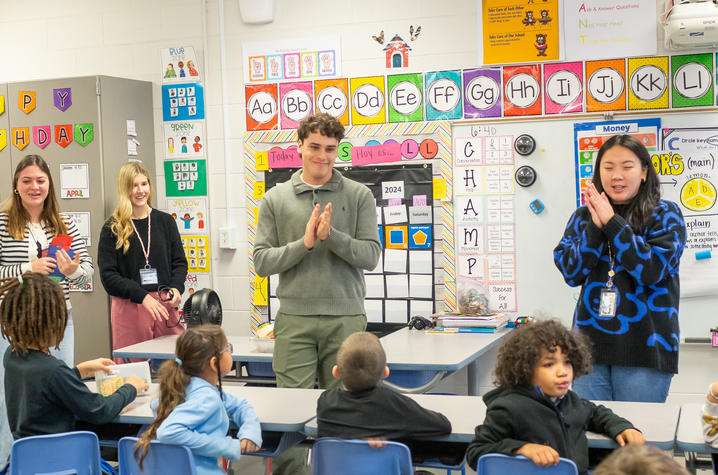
532	412
46	396
366	410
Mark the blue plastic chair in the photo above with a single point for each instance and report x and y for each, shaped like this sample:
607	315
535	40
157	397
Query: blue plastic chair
355	457
499	464
68	452
162	459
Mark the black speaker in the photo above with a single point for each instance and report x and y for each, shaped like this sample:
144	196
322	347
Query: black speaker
201	308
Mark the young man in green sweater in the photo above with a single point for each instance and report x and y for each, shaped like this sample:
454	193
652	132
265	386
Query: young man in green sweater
318	231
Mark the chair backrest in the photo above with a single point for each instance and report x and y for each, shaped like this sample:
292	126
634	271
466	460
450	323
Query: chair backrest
499	464
162	459
68	452
355	457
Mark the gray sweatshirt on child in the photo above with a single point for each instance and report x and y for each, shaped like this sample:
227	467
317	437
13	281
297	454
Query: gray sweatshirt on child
327	279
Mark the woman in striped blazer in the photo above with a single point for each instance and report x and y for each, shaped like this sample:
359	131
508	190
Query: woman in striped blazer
29	220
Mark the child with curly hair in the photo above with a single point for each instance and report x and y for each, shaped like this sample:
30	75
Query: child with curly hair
533	411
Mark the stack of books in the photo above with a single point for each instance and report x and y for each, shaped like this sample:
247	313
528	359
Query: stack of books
459	323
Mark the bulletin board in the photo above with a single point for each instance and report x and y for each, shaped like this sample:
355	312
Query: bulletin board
402	283
541	290
410	136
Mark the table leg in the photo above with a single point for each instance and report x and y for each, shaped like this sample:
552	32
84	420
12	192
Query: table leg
472	373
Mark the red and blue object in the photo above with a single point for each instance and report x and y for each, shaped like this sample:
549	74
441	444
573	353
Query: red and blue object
61	241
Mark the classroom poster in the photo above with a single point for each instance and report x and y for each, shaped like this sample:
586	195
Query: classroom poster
524	32
605	85
648	83
563	83
443	95
193	282
589	137
179	64
484	221
82	221
297	58
184	139
186	178
482	93
368	100
522	90
262	109
74	180
190	214
331	96
406	94
687	170
196	250
692	80
182	102
597	29
296	103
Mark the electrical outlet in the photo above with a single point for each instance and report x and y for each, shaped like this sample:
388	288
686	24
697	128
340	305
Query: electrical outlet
228	237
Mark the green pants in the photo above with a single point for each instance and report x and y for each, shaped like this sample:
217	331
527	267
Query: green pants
306	346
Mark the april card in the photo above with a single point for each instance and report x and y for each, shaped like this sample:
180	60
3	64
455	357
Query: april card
190	214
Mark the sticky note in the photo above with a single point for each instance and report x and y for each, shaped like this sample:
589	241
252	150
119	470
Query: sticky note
260	290
439	188
258	190
261	161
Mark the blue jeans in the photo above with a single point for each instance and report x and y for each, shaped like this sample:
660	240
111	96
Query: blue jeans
65	353
623	383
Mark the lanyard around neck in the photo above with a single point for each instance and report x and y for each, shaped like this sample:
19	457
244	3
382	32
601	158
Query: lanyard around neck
611	272
146	252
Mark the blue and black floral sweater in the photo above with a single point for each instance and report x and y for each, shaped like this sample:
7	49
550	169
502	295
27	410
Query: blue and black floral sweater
645	330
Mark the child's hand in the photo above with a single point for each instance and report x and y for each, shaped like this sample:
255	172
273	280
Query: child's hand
88	368
630	436
139	383
248	446
542	455
376	442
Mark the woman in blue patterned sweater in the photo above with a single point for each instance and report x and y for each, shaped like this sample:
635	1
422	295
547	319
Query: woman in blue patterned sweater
623	248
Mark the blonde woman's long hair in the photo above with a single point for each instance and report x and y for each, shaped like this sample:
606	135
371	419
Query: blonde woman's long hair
17	216
122	216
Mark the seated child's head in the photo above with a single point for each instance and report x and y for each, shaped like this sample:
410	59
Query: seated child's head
639	459
33	312
361	362
545	354
202	352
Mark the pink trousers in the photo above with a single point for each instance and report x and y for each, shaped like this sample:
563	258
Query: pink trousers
132	323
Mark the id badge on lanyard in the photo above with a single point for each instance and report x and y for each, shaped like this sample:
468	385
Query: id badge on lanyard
609	295
148	276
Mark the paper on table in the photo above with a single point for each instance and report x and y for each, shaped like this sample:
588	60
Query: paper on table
420	262
395	260
397	286
374	286
421	286
395	311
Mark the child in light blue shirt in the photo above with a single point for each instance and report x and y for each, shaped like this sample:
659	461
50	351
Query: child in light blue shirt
192	409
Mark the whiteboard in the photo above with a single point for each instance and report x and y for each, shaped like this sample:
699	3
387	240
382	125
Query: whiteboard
541	289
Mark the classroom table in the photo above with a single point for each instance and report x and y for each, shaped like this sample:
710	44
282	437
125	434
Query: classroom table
656	421
689	435
283	411
407	350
